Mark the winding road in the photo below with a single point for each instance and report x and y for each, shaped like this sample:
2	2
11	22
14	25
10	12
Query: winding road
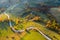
28	29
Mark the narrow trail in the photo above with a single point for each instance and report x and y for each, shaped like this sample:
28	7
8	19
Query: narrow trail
28	29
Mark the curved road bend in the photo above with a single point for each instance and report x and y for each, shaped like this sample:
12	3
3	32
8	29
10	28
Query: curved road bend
30	28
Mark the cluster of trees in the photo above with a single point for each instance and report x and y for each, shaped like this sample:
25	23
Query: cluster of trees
53	25
33	17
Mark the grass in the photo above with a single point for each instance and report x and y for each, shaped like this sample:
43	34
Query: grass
33	35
